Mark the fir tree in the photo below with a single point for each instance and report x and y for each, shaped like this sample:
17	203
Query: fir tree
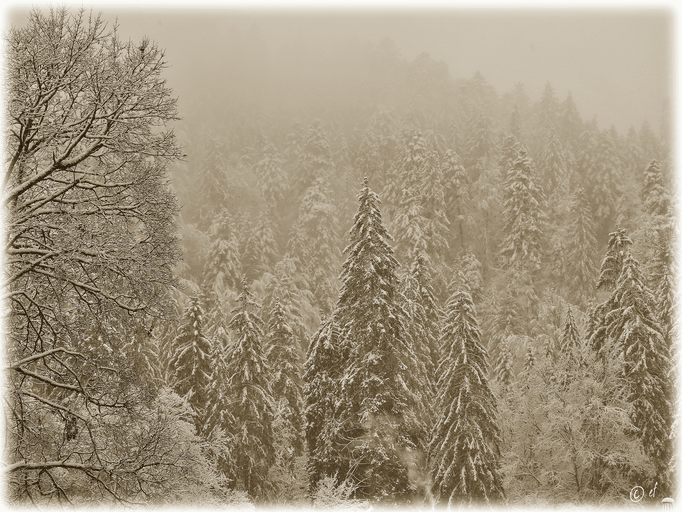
251	399
570	340
581	266
222	265
284	357
323	371
524	215
456	195
423	311
272	179
612	264
192	361
636	334
314	243
654	195
464	449
380	415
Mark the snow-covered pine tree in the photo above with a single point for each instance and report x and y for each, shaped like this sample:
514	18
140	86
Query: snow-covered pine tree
315	159
381	400
636	334
272	179
285	359
612	264
192	363
323	371
268	248
504	364
432	199
581	262
524	215
314	244
251	399
655	198
611	267
222	261
456	196
424	315
290	289
464	449
570	340
604	181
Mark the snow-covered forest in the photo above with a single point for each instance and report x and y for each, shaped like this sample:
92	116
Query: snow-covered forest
412	289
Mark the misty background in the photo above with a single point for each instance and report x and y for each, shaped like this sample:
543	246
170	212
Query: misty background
617	63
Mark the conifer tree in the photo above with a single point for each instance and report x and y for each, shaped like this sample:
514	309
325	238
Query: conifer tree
611	267
222	265
612	264
581	265
570	340
192	361
314	243
456	194
604	181
524	215
464	449
323	371
272	179
655	198
251	399
381	399
424	315
284	357
636	334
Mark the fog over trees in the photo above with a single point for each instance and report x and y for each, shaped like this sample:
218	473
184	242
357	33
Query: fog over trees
336	275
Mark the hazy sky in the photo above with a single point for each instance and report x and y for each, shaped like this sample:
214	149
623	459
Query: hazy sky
617	63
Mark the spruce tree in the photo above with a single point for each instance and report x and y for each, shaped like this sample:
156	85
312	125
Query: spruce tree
192	361
284	357
524	215
251	399
314	244
222	261
464	448
581	265
381	399
456	196
655	198
272	179
424	316
323	371
570	340
611	267
636	334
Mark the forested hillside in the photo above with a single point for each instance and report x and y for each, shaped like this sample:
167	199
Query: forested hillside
409	289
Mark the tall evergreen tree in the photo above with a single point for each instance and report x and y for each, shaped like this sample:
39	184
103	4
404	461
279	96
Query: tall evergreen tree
314	243
424	315
456	192
251	399
581	263
464	449
636	334
192	361
284	357
655	198
380	416
223	265
272	179
524	215
323	371
570	340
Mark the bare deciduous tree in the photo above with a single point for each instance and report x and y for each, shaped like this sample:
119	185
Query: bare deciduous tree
90	246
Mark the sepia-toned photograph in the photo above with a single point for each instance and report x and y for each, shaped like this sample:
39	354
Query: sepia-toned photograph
339	258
